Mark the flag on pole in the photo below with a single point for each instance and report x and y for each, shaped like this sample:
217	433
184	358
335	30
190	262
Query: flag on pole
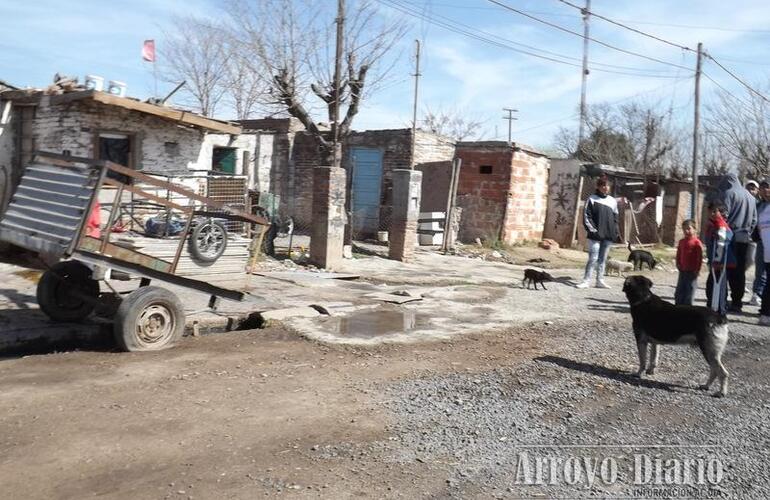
148	51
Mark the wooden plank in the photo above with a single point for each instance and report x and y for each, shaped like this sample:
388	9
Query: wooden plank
168	113
185	192
145	194
91	244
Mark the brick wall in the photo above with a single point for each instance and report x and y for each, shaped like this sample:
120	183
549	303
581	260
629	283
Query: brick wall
526	207
74	126
483	196
509	203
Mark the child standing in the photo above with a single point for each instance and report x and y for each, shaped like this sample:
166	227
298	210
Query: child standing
720	257
689	256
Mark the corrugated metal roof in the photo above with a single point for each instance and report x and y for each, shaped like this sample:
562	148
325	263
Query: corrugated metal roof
48	208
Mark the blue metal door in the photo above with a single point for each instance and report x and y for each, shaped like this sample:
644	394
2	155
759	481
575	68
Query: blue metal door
367	180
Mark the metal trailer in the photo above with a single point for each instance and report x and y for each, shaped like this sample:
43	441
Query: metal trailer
49	214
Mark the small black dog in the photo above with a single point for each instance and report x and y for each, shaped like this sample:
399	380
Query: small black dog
657	322
535	276
639	257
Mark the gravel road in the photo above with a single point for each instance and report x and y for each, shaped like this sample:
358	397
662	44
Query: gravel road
479	428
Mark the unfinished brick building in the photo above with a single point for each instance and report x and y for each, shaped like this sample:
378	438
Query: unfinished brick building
502	190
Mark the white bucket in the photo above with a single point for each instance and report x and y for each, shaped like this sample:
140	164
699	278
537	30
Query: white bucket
117	88
382	236
94	82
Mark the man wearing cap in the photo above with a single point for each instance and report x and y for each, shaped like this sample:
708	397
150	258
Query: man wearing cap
741	208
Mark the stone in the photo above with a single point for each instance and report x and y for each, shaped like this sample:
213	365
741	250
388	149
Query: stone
549	244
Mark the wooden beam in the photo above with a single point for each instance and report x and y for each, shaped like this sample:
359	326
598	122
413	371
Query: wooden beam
185	192
168	113
145	194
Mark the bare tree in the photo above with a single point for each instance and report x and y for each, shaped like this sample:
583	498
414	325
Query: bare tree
293	41
196	51
245	86
742	127
638	136
457	124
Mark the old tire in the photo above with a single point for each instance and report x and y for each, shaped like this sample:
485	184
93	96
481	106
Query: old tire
149	319
66	291
208	241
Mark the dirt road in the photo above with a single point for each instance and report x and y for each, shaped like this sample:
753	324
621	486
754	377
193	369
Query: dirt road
266	413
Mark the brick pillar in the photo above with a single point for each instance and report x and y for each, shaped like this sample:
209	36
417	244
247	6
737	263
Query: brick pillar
328	232
402	234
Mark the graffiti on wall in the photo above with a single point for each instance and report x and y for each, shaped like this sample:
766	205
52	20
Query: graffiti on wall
562	201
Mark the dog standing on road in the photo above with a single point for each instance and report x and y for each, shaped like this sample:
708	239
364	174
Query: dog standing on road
617	267
656	321
535	276
639	257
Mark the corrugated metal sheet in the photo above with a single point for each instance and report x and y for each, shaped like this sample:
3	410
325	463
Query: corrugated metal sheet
47	210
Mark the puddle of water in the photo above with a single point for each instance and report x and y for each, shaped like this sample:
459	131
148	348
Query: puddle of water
370	324
29	275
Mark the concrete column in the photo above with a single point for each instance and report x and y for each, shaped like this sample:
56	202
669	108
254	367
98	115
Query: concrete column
328	217
402	234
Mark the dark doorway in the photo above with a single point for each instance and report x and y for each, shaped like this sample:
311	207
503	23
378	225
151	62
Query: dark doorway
117	149
223	160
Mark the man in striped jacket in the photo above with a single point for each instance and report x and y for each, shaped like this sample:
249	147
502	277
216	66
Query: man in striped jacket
600	219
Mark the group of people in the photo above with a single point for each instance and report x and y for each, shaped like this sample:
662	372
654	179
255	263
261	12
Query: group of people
736	238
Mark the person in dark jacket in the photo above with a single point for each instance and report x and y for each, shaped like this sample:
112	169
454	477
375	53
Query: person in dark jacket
741	209
600	219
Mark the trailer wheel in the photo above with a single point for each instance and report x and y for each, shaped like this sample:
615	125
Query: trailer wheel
66	291
208	241
149	319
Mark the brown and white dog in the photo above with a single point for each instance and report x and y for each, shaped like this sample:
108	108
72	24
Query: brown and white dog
656	321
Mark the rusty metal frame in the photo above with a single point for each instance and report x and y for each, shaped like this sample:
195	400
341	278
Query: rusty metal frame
134	262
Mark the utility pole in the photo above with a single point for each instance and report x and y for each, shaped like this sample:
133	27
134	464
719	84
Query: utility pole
414	107
581	128
695	134
510	119
337	91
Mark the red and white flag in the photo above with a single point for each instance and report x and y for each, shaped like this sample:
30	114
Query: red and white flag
148	50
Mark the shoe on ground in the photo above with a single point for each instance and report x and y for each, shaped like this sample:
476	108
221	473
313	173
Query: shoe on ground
601	284
755	301
583	284
735	309
764	320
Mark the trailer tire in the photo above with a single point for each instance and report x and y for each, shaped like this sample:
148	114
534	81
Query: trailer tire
149	319
208	241
66	291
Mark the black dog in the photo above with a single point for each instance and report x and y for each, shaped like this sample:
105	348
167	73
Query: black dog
535	276
638	257
656	321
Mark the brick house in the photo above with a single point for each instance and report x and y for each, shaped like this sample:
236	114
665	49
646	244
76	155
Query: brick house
502	190
287	156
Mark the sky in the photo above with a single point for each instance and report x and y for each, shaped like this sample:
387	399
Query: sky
460	73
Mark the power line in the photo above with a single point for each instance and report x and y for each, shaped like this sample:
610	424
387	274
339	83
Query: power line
628	21
473	33
749	87
724	89
610	46
648	35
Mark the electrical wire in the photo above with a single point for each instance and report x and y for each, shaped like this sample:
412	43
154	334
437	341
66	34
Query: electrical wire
457	27
604	44
741	81
726	91
616	23
628	21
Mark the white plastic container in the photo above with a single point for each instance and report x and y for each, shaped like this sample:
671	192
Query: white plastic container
117	88
94	82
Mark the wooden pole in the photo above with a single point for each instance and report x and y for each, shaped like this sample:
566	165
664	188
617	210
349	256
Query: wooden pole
414	106
337	151
695	137
584	83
